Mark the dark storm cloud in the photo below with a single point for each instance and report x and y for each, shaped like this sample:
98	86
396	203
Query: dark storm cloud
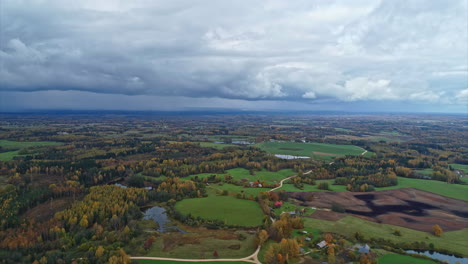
250	50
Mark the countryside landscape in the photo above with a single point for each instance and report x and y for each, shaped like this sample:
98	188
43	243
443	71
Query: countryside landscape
234	132
233	188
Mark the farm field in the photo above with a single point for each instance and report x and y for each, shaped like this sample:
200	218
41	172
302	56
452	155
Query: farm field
288	207
454	240
148	261
234	189
457	191
215	145
17	146
462	167
313	188
426	172
317	150
231	210
264	175
396	259
199	243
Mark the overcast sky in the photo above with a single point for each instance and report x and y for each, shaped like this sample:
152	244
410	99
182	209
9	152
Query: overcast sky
393	55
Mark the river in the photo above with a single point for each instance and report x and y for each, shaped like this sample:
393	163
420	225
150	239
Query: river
439	256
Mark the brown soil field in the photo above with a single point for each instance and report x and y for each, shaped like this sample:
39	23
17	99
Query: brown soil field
408	207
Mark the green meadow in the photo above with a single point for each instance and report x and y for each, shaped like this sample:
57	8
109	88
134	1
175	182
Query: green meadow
461	167
457	191
17	146
241	173
229	209
313	150
347	226
397	259
313	188
149	261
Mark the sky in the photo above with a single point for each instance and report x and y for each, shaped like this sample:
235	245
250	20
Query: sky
356	56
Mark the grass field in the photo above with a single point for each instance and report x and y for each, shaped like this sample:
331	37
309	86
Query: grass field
200	244
457	191
234	189
148	261
215	145
17	146
426	172
240	173
313	188
454	240
231	210
397	259
288	207
313	150
461	167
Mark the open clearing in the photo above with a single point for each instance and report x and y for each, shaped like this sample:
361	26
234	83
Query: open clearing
313	188
313	150
396	258
149	261
407	207
17	146
454	241
200	243
231	210
243	174
235	189
461	167
457	191
215	145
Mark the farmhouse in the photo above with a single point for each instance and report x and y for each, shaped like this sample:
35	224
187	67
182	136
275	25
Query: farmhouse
364	249
322	244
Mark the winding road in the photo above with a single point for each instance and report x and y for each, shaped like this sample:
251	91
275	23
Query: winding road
252	258
281	182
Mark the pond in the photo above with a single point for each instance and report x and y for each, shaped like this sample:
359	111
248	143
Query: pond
158	214
281	156
439	256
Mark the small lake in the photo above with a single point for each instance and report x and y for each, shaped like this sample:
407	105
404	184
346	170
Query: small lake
158	214
281	156
439	256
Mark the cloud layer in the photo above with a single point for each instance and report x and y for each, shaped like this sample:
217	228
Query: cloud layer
308	51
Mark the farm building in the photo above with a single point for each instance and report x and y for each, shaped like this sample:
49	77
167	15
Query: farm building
322	244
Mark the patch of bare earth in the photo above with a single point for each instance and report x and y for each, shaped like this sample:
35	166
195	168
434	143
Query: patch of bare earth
47	210
408	207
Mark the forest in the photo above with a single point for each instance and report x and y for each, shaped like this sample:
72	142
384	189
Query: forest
76	188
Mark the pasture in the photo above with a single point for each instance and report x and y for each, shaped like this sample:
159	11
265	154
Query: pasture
149	261
313	150
235	189
263	175
457	191
200	243
461	167
313	188
396	258
228	209
13	148
347	226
